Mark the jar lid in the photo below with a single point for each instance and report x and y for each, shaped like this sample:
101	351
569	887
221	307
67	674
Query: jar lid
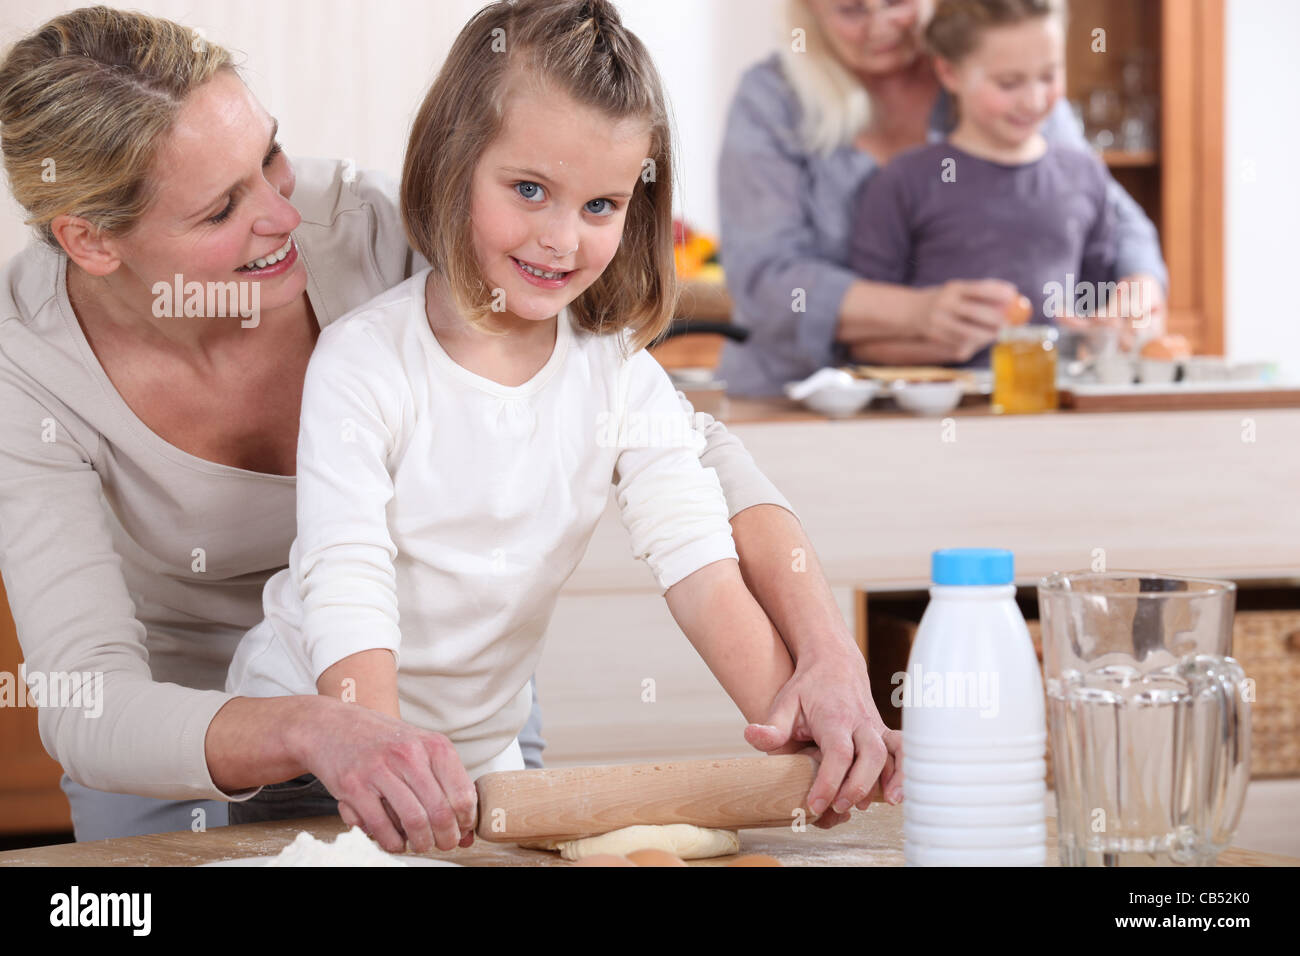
1029	333
972	566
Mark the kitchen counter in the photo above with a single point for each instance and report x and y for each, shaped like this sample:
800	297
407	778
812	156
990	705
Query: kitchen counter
870	838
1206	492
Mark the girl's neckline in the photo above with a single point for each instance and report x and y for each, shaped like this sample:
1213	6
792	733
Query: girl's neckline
563	336
1047	148
159	444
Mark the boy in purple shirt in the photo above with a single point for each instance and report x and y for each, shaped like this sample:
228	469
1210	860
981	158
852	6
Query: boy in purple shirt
994	200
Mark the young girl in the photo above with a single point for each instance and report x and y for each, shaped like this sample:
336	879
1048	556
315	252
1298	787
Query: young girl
995	200
459	433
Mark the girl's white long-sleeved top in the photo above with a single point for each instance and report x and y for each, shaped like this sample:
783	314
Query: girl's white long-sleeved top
440	512
103	522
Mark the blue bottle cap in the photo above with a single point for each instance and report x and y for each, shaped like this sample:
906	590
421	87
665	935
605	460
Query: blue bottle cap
972	566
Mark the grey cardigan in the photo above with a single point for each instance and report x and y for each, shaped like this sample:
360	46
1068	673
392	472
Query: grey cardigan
785	218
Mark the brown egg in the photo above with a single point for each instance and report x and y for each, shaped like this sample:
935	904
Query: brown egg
655	858
755	859
605	859
1167	347
1019	311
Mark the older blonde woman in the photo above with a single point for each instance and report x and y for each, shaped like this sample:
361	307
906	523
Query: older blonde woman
147	449
851	87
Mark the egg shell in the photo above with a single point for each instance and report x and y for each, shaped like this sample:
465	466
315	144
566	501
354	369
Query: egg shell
655	858
1019	311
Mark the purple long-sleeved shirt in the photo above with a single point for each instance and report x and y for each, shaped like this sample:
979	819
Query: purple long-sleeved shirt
786	215
937	212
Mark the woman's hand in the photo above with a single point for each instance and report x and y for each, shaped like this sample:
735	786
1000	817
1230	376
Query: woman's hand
397	782
828	703
962	316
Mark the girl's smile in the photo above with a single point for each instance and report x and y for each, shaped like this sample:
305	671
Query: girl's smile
543	278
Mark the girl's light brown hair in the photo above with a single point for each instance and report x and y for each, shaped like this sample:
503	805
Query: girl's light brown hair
954	29
85	101
579	47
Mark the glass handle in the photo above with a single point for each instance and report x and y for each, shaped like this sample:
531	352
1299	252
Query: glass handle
1232	777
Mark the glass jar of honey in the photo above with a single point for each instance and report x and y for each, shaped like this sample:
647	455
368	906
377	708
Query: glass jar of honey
1024	370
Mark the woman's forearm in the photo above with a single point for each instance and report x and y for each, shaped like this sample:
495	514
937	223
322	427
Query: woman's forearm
253	741
782	571
901	351
726	626
876	310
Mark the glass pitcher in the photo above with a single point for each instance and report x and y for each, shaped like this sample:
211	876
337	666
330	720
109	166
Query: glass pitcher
1149	717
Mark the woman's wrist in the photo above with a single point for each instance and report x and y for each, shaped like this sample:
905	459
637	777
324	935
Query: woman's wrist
879	310
253	741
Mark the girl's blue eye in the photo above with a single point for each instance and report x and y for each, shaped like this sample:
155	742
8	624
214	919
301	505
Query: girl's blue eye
529	191
608	209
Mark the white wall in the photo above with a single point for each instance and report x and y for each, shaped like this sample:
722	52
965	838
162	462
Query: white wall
344	77
1262	188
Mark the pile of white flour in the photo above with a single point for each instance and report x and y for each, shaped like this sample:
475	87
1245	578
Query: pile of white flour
353	848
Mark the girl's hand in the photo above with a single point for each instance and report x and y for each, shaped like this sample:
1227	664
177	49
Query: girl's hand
397	782
963	316
1136	311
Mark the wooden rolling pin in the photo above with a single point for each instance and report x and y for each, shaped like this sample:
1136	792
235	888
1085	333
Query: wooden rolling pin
516	805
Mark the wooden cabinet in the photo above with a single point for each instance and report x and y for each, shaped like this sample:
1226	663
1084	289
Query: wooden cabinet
30	798
1172	51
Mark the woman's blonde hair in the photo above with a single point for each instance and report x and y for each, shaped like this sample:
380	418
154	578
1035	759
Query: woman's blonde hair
833	103
579	47
85	102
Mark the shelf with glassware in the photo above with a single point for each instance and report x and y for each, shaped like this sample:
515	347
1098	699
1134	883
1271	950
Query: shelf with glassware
1146	81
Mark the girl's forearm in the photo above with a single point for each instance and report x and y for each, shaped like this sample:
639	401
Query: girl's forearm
781	569
727	627
368	678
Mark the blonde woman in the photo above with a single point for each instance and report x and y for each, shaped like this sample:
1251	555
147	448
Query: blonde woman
147	453
851	87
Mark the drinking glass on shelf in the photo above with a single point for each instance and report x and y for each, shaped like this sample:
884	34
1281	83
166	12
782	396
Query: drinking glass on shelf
1102	117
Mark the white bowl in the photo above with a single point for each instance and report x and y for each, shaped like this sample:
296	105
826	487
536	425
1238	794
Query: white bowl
1157	371
927	398
838	401
1114	369
1205	368
833	392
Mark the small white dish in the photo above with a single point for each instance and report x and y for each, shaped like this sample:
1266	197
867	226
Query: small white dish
1250	371
927	398
1205	368
1157	371
833	392
1113	369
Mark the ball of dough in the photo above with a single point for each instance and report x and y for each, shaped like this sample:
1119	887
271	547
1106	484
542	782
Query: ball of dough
680	839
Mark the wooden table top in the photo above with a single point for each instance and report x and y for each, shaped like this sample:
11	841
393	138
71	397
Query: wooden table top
871	838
